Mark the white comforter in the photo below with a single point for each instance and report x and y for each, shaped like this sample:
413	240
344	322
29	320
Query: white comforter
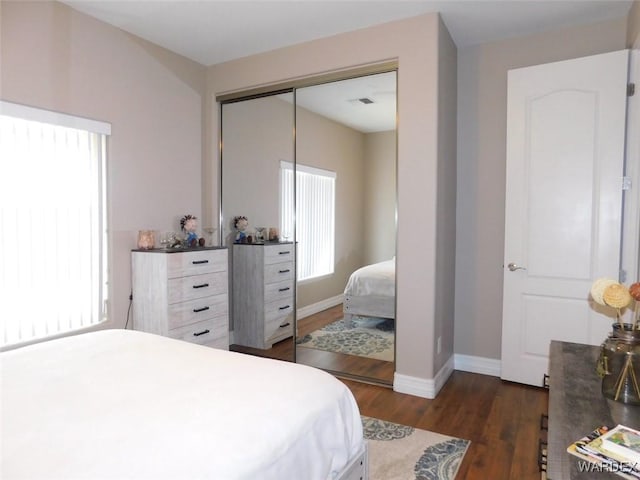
377	279
121	404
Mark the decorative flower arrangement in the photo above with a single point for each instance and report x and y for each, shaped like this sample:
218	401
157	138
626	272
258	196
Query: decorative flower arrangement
609	293
620	354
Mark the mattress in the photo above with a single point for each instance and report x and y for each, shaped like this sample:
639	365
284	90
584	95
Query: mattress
125	404
377	279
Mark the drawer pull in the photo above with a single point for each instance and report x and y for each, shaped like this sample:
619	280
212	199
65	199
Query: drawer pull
284	289
198	310
284	271
200	262
285	325
284	253
204	332
203	285
285	307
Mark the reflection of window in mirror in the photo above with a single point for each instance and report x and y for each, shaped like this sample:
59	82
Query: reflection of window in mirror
316	199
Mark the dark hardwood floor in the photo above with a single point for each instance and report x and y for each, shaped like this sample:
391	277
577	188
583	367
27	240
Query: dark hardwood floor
501	419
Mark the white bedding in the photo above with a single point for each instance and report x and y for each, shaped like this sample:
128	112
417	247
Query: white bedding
377	279
123	404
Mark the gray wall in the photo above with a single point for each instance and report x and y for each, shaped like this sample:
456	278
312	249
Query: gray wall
329	145
379	231
257	135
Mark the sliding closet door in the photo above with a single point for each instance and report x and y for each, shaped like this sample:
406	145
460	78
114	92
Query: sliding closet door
257	140
345	220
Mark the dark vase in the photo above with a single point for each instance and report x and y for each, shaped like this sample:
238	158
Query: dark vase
619	365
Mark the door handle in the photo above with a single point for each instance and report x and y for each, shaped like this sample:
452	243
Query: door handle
513	267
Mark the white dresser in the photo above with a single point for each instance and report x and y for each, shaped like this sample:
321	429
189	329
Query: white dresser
182	294
263	293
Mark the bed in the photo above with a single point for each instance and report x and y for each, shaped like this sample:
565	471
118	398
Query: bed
126	404
371	291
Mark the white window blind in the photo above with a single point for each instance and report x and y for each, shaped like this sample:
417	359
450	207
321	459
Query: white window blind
315	217
53	247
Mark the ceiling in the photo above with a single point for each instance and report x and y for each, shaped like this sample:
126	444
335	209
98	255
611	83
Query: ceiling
366	104
215	31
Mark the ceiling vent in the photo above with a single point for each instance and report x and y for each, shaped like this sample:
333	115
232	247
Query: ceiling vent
365	100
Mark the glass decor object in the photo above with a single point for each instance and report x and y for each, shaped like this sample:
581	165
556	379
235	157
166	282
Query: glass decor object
620	353
260	233
146	239
210	236
619	364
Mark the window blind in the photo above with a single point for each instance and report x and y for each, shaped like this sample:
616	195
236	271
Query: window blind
53	247
315	217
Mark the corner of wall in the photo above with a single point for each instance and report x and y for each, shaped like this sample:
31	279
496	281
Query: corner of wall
423	387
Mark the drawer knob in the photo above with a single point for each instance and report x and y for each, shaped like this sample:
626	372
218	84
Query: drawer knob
284	289
197	334
199	262
202	285
198	310
285	307
284	271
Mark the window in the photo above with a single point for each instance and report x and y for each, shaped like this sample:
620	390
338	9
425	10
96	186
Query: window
53	247
315	217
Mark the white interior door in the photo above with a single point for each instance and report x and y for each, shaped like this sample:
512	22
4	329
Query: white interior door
565	155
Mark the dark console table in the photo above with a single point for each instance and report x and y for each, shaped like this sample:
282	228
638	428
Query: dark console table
577	406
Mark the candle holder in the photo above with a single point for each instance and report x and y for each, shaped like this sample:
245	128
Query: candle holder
146	239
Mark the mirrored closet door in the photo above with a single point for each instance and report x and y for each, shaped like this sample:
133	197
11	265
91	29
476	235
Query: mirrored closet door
257	151
341	168
346	225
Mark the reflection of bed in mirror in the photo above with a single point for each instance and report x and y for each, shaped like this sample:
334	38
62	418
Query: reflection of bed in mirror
370	291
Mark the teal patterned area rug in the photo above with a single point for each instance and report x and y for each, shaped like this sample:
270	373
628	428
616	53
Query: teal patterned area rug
362	336
399	452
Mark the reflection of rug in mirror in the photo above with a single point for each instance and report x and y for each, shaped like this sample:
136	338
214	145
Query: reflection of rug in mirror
398	452
362	336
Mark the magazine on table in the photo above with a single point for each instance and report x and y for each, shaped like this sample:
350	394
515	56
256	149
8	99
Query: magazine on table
623	441
590	449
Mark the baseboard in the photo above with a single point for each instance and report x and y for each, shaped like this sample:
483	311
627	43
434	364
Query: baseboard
482	365
320	306
429	387
423	387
